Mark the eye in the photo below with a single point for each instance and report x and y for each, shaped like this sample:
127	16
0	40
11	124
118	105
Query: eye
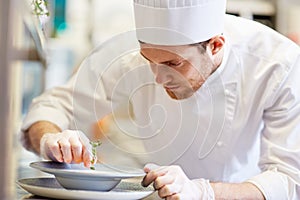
174	64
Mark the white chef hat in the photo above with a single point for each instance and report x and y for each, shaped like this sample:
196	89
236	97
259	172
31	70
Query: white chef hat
178	22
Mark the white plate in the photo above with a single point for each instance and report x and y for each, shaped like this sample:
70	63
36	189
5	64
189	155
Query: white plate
103	178
49	187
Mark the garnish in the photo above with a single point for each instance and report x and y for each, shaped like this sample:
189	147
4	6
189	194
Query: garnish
40	7
94	152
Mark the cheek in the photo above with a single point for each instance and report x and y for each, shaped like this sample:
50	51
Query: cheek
199	70
189	71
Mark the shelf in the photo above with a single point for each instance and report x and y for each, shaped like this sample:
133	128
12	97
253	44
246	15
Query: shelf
248	8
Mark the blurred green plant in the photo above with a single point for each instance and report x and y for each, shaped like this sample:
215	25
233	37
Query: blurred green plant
94	152
40	7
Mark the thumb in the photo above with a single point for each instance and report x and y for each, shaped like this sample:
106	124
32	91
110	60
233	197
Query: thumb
150	166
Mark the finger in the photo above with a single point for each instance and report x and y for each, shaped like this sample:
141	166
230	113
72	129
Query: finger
152	175
86	148
150	166
76	149
53	151
162	181
86	157
65	148
83	139
175	197
169	190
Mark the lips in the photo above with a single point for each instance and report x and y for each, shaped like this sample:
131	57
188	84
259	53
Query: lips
171	87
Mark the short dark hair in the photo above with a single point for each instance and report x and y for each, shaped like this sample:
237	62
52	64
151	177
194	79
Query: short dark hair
203	45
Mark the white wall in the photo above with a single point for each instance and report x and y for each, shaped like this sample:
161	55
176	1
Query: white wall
288	15
110	18
92	22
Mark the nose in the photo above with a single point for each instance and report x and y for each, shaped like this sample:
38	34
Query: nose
162	73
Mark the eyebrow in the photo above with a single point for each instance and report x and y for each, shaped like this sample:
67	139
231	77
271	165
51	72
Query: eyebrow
164	62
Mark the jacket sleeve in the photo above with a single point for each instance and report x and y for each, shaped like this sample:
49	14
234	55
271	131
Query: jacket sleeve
54	105
280	146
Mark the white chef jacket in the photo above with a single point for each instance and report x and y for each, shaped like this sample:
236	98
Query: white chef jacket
243	124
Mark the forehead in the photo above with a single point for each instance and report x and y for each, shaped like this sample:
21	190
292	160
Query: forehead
149	50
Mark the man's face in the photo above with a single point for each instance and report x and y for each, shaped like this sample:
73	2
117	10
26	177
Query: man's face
181	70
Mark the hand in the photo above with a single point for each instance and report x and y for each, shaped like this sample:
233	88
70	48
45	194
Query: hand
67	146
172	183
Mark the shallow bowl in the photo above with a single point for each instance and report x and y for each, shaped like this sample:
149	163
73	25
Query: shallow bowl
78	177
83	183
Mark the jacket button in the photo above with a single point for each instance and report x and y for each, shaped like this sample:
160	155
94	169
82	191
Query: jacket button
219	143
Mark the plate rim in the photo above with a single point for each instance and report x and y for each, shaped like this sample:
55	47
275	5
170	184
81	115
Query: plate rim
70	193
86	173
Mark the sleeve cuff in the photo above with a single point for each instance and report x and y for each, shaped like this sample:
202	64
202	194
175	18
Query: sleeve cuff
272	184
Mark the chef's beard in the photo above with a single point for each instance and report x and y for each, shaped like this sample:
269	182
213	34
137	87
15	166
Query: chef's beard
172	95
184	92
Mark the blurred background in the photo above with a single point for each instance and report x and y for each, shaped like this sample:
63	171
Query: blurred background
39	52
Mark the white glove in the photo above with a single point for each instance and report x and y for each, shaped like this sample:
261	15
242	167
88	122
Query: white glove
172	183
67	146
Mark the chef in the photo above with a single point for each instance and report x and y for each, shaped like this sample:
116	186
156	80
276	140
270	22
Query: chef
211	102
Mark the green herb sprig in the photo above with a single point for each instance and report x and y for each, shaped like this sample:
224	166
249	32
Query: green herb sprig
40	7
94	152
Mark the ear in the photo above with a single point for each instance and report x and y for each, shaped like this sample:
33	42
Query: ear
216	44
